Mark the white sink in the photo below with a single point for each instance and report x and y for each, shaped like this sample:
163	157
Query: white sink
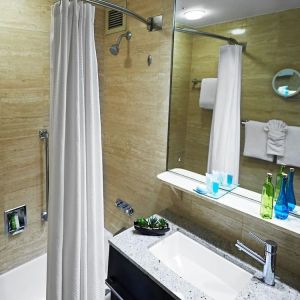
214	275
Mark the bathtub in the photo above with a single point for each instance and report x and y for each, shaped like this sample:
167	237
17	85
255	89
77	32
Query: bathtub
28	281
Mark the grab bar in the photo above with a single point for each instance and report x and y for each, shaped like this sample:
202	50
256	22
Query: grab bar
44	136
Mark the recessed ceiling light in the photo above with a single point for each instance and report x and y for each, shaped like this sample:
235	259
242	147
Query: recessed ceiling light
238	31
194	14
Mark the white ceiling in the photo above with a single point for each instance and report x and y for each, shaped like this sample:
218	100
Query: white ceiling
219	11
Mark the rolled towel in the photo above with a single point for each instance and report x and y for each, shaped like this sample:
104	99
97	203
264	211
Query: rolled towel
292	151
208	93
256	141
276	131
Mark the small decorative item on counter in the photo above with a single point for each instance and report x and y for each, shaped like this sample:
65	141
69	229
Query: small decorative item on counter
281	208
278	182
14	223
151	226
213	182
267	197
224	179
290	195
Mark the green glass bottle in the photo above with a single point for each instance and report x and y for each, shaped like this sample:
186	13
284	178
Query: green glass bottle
278	182
267	197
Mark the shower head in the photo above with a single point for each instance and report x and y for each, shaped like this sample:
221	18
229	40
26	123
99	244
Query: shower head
115	48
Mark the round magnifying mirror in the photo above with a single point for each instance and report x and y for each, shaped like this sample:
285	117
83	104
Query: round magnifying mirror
286	83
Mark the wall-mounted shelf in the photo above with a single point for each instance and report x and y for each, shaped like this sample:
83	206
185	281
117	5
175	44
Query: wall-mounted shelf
241	200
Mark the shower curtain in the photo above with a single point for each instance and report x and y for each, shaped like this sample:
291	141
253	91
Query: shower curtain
76	226
224	144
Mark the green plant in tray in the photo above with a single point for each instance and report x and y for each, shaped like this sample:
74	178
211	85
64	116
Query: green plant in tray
162	223
142	222
152	223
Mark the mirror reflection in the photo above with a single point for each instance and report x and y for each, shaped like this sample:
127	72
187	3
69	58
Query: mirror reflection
223	108
286	83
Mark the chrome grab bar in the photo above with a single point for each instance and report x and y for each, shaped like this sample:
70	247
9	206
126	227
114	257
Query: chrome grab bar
44	136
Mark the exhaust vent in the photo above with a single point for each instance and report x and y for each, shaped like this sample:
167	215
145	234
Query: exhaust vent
115	21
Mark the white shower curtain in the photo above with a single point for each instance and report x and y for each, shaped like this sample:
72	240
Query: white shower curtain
224	145
76	226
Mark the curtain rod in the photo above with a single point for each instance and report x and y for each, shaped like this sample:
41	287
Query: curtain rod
153	23
230	41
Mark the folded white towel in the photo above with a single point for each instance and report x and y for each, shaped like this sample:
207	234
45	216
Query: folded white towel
256	141
292	150
276	131
208	93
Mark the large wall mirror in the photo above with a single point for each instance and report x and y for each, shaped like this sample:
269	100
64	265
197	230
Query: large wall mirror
269	29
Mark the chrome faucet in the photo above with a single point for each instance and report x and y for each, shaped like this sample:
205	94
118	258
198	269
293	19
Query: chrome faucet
269	262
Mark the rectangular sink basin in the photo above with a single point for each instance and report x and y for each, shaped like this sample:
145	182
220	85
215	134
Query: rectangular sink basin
212	274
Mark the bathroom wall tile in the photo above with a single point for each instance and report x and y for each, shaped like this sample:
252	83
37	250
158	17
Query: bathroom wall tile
134	109
180	90
24	109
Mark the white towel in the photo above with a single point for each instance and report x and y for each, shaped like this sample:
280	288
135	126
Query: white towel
276	131
292	150
208	93
256	141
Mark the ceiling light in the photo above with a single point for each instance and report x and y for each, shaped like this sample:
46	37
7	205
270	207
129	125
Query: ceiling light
194	14
238	31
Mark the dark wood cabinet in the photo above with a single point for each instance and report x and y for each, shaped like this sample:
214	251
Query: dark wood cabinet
128	282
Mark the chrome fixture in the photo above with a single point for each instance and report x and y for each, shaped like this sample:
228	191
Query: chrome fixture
44	136
15	220
152	23
149	60
269	262
243	122
115	48
230	41
195	81
125	207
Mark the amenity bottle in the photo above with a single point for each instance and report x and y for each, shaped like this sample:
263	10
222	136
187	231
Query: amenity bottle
281	209
290	195
267	197
278	182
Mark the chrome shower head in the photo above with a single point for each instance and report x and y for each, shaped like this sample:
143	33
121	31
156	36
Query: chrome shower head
115	48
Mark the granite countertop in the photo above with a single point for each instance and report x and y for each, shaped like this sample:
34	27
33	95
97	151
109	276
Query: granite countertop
135	246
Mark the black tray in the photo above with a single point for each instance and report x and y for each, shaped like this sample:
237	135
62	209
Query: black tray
150	231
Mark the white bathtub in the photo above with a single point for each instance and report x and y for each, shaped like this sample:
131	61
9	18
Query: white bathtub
28	281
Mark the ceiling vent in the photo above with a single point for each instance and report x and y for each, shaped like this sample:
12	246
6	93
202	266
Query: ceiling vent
115	21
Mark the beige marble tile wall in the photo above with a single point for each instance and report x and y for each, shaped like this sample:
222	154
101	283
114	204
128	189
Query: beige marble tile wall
24	96
272	45
134	108
182	59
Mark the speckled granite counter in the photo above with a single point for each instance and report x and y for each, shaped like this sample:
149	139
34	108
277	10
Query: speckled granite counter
135	247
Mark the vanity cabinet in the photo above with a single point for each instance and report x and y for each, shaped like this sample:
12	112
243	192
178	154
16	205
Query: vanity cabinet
129	283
